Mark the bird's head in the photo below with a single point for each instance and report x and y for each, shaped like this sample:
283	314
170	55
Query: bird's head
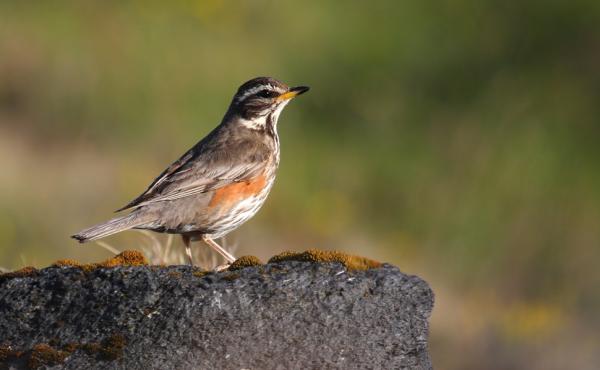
259	101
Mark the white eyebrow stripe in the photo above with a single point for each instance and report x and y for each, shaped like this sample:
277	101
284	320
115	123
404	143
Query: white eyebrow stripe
256	89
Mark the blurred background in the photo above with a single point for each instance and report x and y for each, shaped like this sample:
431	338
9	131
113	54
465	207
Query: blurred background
458	140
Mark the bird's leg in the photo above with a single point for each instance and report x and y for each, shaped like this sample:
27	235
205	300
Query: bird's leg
211	243
222	267
188	250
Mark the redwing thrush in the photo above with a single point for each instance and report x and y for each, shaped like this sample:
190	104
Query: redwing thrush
219	183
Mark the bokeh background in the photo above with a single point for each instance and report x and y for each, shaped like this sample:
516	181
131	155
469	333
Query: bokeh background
459	140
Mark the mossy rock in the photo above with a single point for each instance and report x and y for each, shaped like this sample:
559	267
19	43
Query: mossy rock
24	272
315	255
118	319
245	261
7	353
125	258
112	348
44	355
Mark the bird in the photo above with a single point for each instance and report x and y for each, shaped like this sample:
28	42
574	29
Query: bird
218	184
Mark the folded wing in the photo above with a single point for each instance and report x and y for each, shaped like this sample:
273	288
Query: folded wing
201	170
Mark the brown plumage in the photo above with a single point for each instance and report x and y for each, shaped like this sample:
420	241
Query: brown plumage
219	183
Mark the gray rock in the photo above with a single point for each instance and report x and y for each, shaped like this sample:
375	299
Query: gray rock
288	315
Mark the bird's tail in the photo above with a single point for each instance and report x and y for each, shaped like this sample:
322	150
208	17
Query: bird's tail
113	226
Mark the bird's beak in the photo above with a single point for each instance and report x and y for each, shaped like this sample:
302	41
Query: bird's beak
294	91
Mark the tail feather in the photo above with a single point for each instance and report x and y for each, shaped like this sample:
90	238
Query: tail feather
113	226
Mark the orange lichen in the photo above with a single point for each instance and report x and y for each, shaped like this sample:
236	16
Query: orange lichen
24	272
314	255
44	355
125	258
67	263
245	261
8	353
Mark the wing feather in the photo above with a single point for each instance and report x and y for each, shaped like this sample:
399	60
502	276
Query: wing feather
204	168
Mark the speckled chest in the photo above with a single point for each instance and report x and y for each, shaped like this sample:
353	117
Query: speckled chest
235	204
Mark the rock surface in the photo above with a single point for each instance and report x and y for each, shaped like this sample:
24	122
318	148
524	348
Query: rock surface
284	315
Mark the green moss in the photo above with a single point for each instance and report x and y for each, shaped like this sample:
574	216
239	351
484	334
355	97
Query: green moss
44	355
125	258
314	255
245	261
24	272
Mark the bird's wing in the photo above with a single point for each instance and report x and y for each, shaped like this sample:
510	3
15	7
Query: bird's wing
200	170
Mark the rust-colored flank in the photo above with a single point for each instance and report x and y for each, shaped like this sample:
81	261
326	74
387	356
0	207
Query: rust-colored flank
230	194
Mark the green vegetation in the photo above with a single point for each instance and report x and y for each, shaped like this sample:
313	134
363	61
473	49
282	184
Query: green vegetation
457	140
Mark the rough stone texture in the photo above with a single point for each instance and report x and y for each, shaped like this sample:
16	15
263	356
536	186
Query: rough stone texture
289	315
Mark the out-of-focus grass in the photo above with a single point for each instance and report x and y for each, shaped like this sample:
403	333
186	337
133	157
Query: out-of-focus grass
458	140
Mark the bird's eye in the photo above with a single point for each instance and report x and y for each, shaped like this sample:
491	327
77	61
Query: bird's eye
266	94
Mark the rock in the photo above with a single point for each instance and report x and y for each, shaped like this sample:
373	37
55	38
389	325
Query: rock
287	314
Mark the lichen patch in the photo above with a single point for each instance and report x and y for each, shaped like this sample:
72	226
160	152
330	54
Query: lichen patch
125	258
44	355
8	353
315	255
48	354
245	261
24	272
